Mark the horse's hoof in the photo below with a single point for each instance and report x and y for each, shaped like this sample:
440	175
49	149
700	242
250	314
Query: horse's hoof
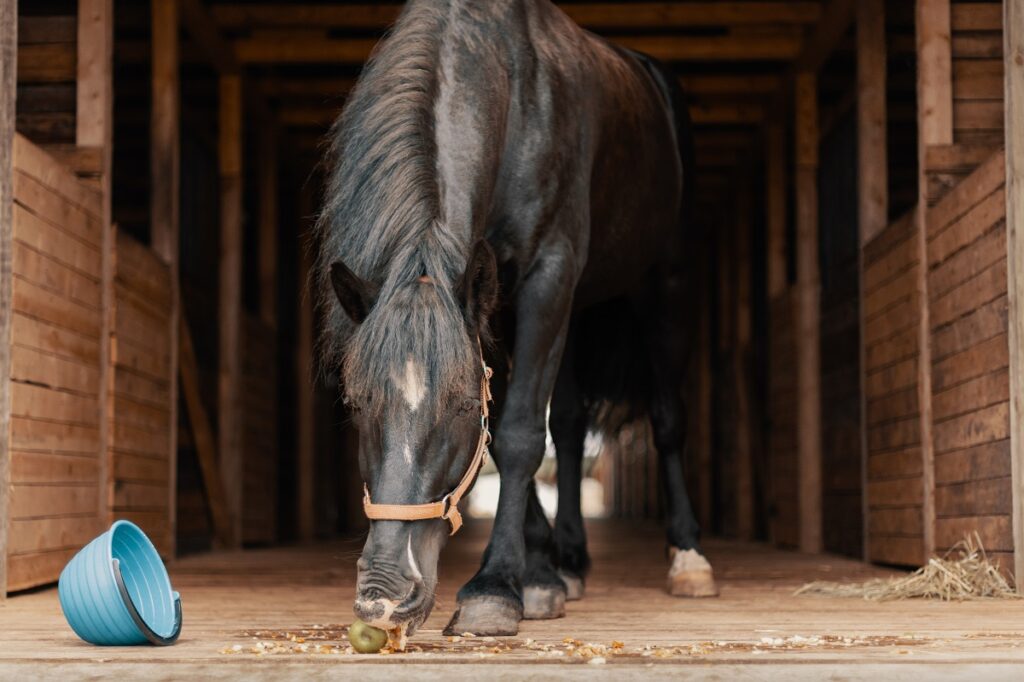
486	616
543	602
573	585
691	575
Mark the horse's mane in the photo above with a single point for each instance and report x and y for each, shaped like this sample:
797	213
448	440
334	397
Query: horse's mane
382	218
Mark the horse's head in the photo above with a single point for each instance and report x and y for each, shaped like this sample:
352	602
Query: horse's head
415	384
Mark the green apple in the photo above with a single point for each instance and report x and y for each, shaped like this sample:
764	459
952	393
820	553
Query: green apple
366	639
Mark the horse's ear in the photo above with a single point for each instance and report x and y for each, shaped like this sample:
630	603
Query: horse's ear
478	289
355	294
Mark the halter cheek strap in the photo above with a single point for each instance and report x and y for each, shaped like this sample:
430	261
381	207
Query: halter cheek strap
448	507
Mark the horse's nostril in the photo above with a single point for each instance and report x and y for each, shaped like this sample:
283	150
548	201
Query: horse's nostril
375	612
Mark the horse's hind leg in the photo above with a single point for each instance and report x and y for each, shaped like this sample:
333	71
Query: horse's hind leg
690	574
543	591
568	425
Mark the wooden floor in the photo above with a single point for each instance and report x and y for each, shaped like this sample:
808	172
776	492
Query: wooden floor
292	604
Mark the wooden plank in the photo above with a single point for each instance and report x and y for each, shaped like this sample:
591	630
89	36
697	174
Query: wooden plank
130	466
8	95
978	45
202	432
32	333
935	72
978	79
38	535
978	114
591	15
895	522
957	158
142	389
895	493
993	530
990	283
42	304
32	570
872	163
47	436
974	498
42	467
980	426
303	50
80	160
141	496
966	263
49	501
30	365
980	359
1013	55
34	30
977	221
35	163
58	244
808	324
50	274
988	460
900	464
46	63
979	325
37	402
977	16
979	392
882	381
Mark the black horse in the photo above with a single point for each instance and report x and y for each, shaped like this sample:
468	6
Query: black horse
497	165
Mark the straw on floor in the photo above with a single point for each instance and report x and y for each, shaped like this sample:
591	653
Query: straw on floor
964	573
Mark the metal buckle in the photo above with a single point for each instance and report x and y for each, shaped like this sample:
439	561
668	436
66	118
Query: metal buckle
446	506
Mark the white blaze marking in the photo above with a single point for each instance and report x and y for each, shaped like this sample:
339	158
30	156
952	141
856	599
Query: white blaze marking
413	384
407	453
412	562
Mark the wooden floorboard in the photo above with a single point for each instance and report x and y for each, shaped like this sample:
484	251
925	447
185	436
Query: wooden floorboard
752	631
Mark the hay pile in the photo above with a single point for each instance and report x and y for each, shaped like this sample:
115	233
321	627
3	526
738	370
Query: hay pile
964	573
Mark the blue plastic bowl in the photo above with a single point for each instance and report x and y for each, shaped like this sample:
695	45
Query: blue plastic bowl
116	591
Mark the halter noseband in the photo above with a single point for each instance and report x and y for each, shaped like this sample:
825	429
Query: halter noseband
447	507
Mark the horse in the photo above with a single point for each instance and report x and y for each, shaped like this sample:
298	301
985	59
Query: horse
506	191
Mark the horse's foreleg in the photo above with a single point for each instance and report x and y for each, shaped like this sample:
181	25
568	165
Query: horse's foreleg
491	603
568	424
544	592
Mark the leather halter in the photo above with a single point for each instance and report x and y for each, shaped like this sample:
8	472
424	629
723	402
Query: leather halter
447	507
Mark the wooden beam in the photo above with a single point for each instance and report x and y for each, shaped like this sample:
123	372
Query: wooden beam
775	208
594	15
8	95
304	382
94	127
268	223
1013	61
741	363
164	171
872	183
202	434
935	73
230	308
935	127
203	30
808	325
303	50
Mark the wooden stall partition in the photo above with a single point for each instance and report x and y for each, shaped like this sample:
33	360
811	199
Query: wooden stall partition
967	289
47	61
55	369
782	476
139	409
8	95
894	485
259	432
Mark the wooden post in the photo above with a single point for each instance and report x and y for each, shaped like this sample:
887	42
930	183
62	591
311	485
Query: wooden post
8	94
304	386
741	365
268	219
1013	61
165	164
808	324
775	196
935	127
872	183
230	310
94	127
873	173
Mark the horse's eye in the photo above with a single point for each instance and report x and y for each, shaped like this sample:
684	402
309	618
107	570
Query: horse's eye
468	405
351	403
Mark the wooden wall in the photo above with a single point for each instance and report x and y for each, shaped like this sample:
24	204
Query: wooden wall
895	487
47	67
56	503
977	53
139	390
967	299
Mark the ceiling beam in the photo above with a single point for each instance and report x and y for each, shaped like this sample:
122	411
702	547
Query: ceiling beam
284	50
592	15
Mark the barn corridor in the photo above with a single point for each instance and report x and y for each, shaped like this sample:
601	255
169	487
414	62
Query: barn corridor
230	598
